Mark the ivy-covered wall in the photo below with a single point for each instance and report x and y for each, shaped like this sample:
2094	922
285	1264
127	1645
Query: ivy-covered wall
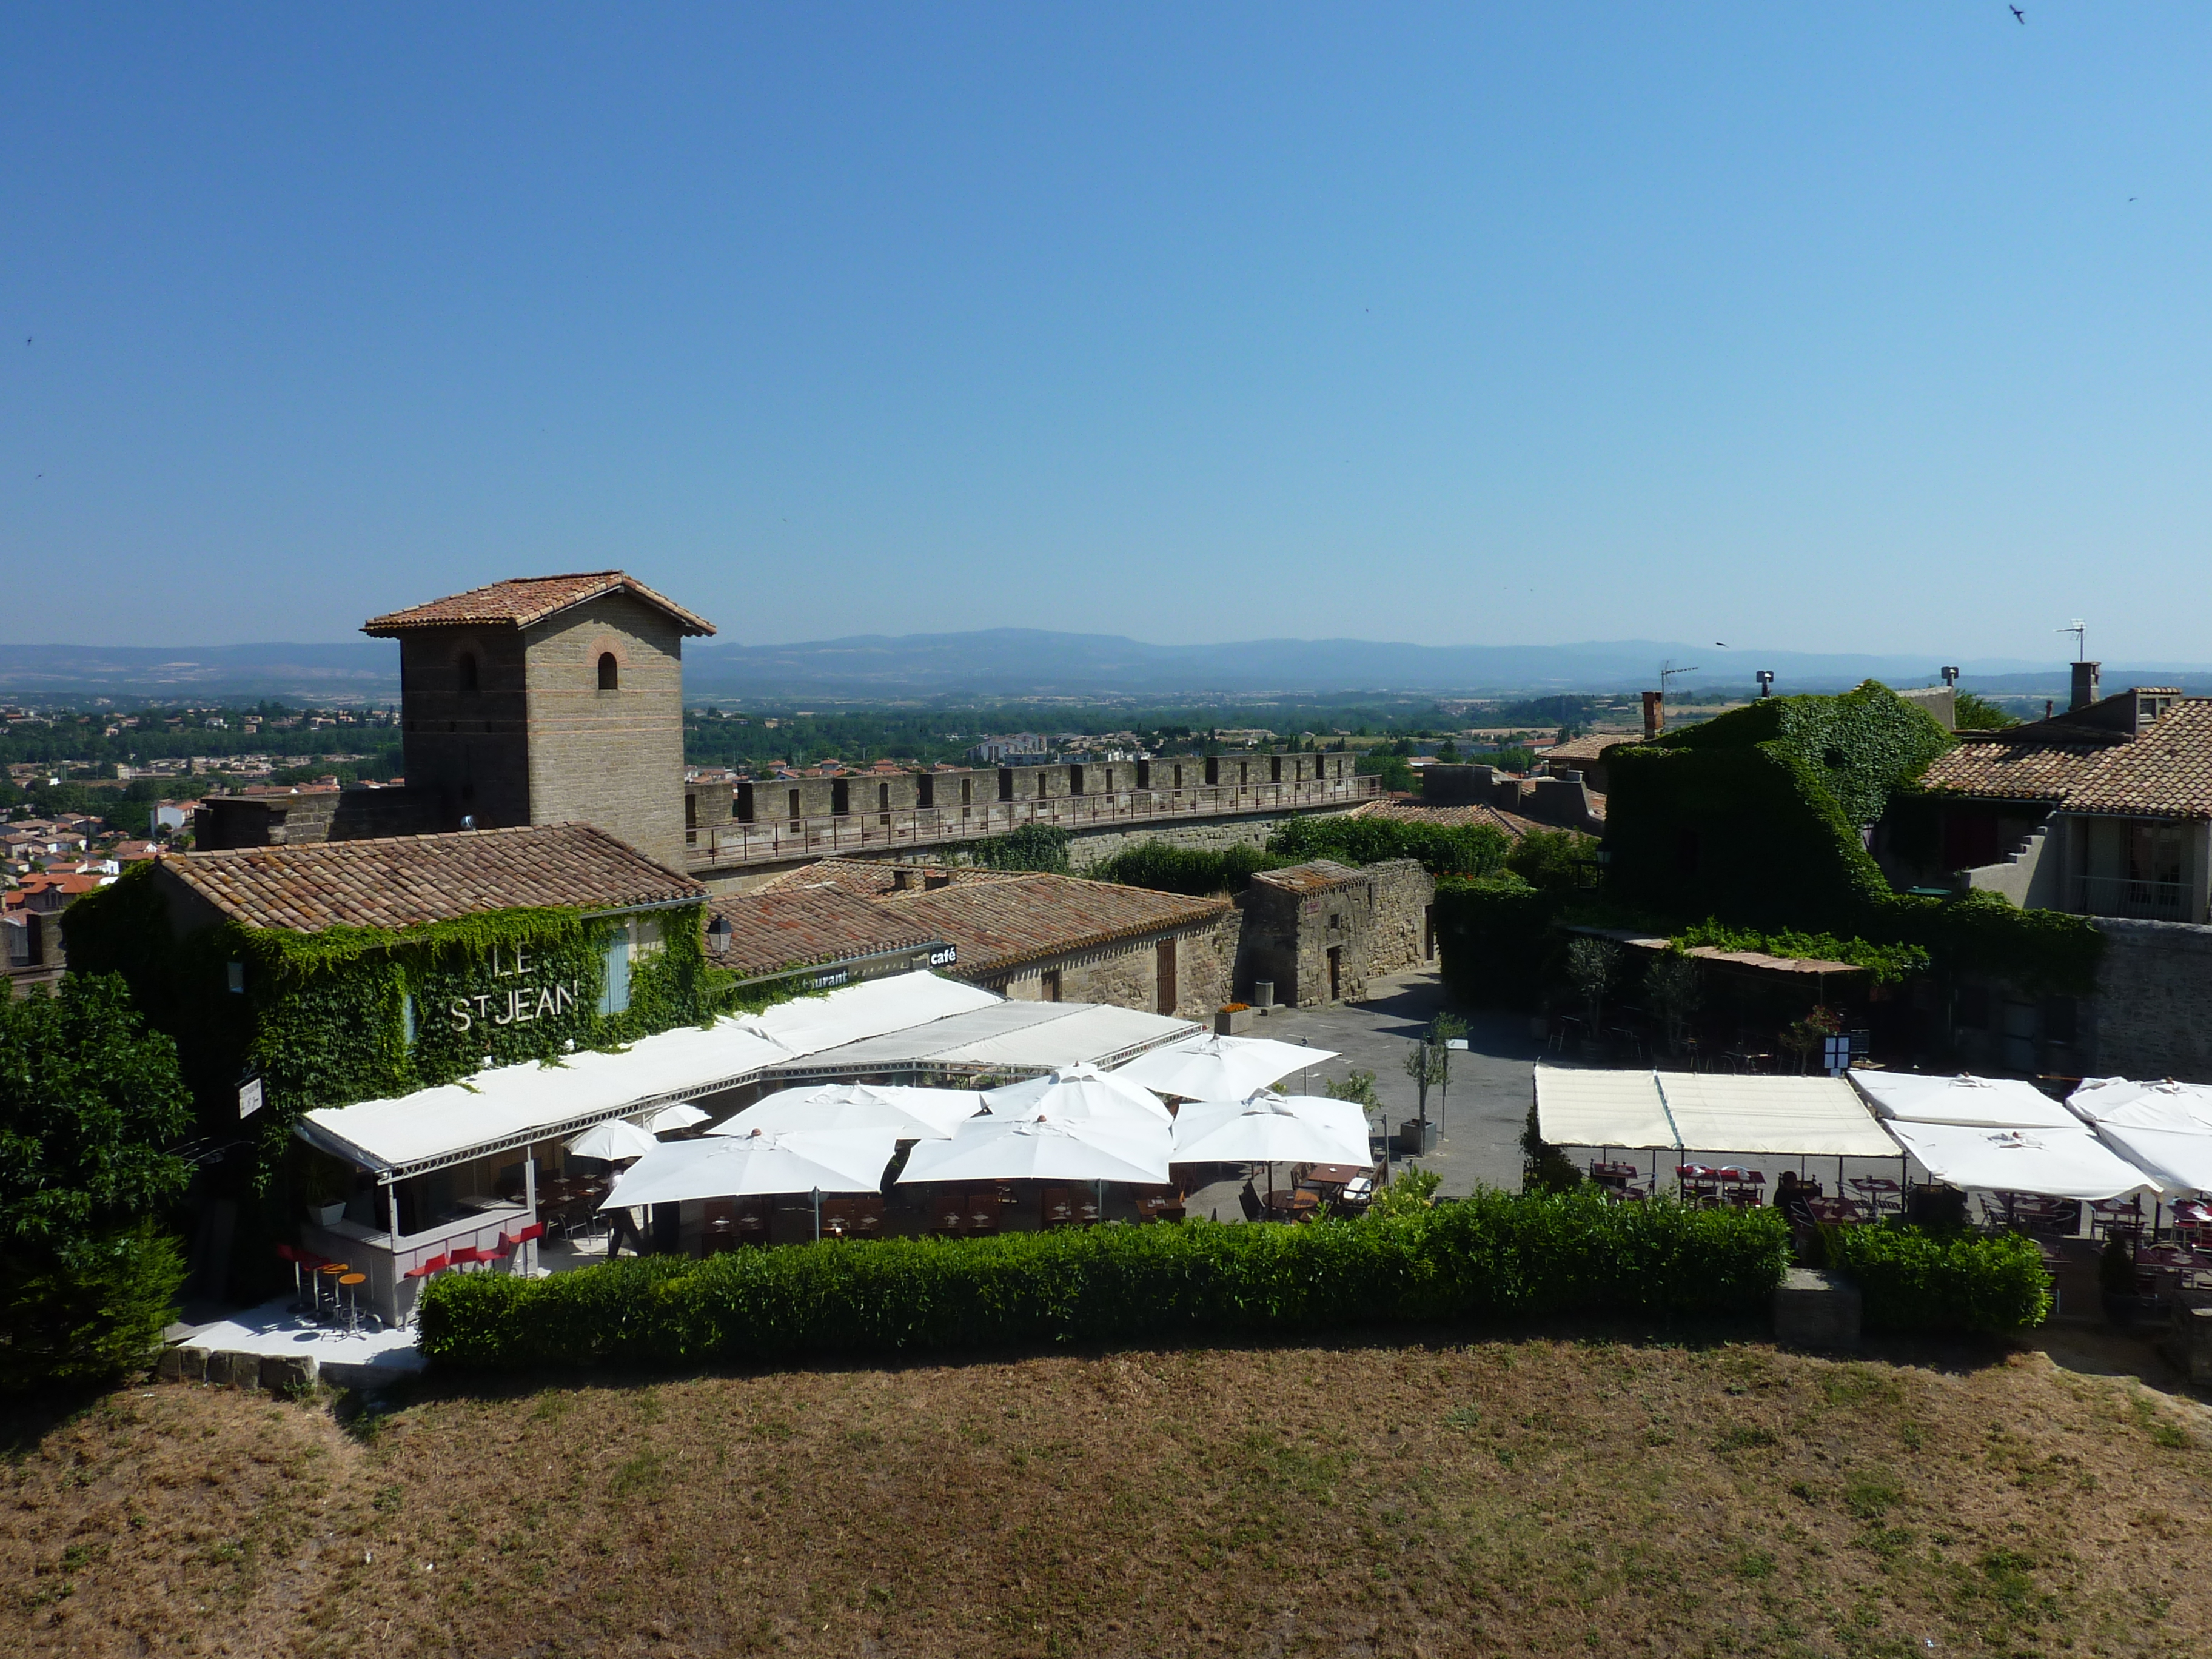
1756	815
357	1013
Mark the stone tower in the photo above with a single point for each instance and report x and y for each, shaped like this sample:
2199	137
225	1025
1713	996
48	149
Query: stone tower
547	699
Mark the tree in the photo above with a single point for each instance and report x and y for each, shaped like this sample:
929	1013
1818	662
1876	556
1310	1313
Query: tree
1445	1029
1593	965
1554	860
1670	986
1449	753
1425	1065
1974	713
90	1104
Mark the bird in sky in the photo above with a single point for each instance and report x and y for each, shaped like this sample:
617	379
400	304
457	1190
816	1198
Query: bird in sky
1723	644
2018	15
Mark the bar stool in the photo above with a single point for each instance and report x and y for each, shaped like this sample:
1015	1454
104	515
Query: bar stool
352	1284
333	1271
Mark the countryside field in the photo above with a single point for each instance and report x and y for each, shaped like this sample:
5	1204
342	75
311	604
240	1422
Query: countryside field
1444	1497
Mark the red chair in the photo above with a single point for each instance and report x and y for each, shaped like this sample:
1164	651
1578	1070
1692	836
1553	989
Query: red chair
529	1235
436	1264
467	1255
502	1253
303	1263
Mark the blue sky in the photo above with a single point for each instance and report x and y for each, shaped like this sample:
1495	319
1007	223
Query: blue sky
1810	327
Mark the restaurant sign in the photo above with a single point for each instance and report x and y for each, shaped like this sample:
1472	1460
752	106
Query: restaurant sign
521	1003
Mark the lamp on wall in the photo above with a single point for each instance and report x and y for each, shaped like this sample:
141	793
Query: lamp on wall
718	934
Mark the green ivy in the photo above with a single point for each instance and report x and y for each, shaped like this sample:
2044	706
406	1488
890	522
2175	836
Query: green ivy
1889	964
324	1016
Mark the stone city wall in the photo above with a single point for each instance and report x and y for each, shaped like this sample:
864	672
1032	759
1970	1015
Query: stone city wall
2152	1014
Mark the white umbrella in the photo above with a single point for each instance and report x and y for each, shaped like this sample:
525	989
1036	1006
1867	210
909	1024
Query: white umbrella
1272	1129
680	1116
1220	1068
910	1113
1030	1149
751	1165
2165	1127
618	1139
2061	1162
1078	1094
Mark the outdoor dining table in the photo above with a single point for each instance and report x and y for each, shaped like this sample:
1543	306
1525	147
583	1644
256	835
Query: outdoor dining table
1291	1201
1879	1192
1834	1212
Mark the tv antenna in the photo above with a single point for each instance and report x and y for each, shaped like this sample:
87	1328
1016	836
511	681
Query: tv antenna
1667	671
2079	630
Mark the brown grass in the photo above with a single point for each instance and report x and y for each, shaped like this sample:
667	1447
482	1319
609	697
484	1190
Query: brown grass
1526	1496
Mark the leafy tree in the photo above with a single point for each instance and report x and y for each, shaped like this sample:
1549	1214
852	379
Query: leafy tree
1974	713
1554	860
1448	753
1593	965
1544	1167
1396	776
90	1101
1672	988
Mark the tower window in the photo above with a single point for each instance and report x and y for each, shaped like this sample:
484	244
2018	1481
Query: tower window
468	667
609	672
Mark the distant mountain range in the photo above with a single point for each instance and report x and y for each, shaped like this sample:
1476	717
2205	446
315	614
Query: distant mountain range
1014	663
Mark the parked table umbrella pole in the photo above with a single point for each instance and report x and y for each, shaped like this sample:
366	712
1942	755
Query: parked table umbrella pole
818	1215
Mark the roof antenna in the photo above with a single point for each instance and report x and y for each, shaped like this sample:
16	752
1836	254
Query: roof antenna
2079	631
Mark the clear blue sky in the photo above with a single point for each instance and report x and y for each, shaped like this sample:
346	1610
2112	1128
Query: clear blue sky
1815	326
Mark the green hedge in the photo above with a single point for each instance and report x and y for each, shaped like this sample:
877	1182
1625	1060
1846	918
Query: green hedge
1495	943
1443	849
1495	1255
1911	1279
1198	870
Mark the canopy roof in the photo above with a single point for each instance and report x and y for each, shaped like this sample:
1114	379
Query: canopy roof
2062	1162
512	1106
1796	1116
1577	1108
1990	1103
1003	1037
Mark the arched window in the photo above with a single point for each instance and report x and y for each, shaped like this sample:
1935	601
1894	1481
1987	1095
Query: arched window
609	672
468	667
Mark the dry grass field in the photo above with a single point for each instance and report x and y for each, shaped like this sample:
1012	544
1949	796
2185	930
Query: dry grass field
1527	1496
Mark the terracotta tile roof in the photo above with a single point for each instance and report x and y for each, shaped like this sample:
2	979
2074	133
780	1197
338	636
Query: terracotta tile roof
401	881
802	926
523	600
1000	925
2165	772
872	877
1588	746
1322	875
1452	818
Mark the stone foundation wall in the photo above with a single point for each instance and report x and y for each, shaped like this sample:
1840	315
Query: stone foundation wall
1129	977
1398	933
2152	1015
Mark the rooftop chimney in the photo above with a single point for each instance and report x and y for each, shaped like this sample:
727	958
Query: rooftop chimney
2085	685
1655	715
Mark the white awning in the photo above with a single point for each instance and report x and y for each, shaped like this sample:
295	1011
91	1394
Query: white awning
1794	1116
1011	1037
1577	1108
2061	1162
1987	1103
2165	1127
513	1106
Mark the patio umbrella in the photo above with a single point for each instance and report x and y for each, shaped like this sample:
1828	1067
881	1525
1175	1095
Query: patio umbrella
756	1164
993	1148
1220	1068
910	1114
1272	1128
1077	1094
680	1116
616	1138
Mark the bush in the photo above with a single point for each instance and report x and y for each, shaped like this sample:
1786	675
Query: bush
1034	847
1200	872
92	1308
1495	943
1495	1255
89	1101
1442	850
1911	1279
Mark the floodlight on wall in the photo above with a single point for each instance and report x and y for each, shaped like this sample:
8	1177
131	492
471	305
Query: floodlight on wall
1950	677
1766	677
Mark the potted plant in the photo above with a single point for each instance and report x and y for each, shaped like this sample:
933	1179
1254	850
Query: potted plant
323	1187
